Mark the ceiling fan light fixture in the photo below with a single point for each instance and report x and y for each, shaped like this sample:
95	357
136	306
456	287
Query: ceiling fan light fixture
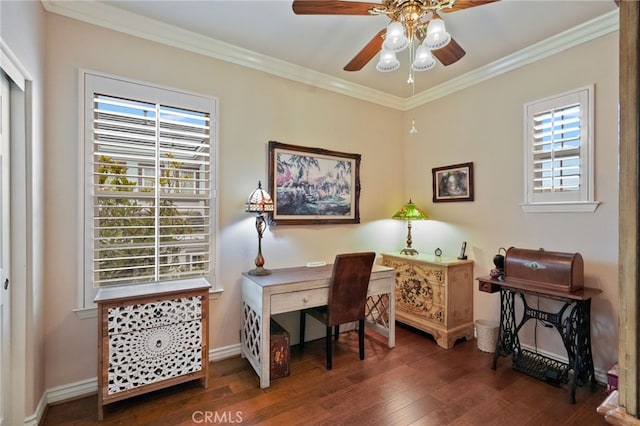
395	39
388	61
424	59
437	35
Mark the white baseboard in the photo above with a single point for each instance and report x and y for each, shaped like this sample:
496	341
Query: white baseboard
72	390
225	352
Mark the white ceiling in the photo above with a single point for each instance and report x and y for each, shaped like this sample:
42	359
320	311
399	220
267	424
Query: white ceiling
488	33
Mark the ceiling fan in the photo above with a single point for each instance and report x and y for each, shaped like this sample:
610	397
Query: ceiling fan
414	18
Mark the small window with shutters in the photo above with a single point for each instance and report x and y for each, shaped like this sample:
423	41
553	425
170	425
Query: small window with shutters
559	153
149	184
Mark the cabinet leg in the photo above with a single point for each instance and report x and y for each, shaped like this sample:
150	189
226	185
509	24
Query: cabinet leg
572	387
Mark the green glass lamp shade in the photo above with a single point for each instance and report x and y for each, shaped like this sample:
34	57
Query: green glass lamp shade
410	212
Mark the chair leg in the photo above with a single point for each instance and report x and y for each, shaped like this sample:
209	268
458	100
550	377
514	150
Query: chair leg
361	337
303	315
337	331
329	349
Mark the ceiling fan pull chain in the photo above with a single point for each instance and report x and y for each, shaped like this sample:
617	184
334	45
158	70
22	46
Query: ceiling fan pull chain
410	79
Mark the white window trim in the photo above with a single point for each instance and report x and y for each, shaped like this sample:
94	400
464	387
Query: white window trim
85	308
587	205
573	207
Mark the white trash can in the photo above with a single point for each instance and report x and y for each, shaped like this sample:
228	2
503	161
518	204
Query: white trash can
486	335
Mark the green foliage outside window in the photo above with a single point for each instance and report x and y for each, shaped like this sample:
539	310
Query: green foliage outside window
126	227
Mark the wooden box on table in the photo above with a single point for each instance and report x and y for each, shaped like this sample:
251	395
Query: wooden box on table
544	269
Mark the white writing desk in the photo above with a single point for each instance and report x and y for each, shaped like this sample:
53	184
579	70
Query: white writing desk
294	289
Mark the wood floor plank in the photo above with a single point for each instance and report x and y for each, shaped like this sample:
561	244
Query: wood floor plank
415	383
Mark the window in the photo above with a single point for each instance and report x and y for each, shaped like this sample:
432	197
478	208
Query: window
149	176
559	153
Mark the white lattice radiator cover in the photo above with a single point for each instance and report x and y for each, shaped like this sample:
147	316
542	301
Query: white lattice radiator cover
151	342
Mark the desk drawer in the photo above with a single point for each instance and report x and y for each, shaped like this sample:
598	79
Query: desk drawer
287	302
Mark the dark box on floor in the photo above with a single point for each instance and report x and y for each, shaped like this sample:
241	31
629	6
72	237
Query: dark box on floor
612	378
279	351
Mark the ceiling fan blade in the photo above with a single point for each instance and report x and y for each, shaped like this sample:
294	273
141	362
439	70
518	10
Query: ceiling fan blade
466	4
332	7
449	54
367	53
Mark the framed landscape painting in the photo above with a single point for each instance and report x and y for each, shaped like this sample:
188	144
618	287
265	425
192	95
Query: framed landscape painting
313	185
453	183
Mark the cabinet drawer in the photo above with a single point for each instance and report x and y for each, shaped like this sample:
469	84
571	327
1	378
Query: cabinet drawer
132	375
148	343
126	318
295	301
488	287
421	292
434	295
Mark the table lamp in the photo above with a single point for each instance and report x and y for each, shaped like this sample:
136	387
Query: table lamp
259	201
409	212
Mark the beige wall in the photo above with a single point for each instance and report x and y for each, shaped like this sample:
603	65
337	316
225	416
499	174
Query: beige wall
254	108
482	124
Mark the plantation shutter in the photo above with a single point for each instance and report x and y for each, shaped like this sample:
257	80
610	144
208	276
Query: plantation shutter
557	159
556	150
151	181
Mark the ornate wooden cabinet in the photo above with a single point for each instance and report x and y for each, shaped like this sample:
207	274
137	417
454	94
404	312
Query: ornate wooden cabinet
151	336
434	295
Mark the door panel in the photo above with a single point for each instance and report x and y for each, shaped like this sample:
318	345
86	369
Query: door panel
5	285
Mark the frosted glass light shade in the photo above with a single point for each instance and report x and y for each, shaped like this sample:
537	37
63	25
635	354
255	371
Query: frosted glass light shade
395	40
414	129
423	60
388	61
437	35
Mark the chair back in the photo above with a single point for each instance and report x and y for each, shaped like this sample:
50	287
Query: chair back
348	287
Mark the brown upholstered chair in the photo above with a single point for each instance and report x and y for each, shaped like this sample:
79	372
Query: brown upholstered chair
347	299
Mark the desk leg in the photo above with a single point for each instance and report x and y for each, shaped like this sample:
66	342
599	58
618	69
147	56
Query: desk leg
392	319
507	331
380	315
265	349
254	342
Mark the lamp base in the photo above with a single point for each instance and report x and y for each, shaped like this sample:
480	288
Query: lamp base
259	271
409	251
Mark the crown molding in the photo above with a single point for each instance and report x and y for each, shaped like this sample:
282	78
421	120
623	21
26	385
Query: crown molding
110	17
580	34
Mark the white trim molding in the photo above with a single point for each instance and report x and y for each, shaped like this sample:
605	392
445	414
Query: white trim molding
577	207
116	19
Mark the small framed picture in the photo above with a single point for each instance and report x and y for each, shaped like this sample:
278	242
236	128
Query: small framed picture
453	183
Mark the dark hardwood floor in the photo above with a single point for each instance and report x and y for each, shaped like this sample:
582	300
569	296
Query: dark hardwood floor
416	383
